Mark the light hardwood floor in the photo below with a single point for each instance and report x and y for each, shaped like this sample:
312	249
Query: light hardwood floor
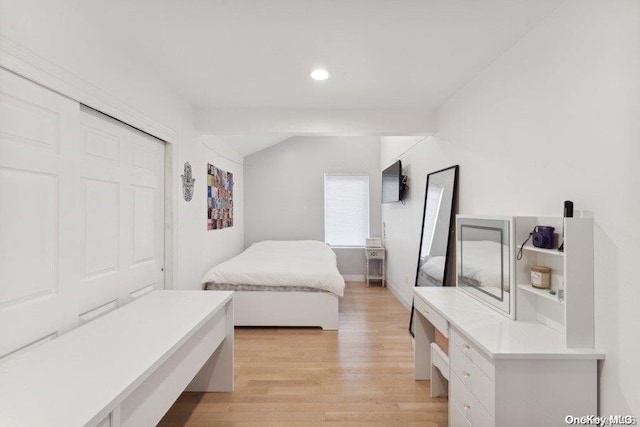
361	375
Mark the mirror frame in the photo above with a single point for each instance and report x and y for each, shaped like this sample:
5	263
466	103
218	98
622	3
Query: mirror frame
451	234
509	224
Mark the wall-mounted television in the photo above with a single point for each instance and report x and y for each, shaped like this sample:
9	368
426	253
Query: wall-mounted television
392	185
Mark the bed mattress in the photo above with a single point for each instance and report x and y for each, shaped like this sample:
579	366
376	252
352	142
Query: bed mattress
298	263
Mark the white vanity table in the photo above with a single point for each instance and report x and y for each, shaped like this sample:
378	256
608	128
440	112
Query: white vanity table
502	372
499	371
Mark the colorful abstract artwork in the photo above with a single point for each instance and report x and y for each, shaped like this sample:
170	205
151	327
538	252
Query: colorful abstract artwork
219	198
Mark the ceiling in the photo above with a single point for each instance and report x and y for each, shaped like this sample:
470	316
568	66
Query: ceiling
249	144
382	54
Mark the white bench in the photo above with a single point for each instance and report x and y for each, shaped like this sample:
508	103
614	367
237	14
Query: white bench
125	368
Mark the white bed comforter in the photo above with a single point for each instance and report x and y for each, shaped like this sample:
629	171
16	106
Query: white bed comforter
308	263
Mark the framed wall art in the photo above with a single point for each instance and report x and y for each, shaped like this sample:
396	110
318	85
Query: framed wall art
219	198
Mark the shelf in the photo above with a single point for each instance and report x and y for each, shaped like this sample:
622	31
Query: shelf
544	293
531	248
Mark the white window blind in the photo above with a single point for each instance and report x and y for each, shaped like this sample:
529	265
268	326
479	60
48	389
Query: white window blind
346	209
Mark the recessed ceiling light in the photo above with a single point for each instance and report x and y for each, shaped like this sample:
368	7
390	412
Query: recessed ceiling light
320	74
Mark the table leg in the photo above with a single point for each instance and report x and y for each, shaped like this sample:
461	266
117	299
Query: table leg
367	272
424	336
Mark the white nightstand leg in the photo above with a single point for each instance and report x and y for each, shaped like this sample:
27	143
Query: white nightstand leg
367	273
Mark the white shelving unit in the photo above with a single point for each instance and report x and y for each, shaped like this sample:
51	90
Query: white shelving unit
543	293
540	255
571	274
530	247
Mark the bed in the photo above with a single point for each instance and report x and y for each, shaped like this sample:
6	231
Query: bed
282	283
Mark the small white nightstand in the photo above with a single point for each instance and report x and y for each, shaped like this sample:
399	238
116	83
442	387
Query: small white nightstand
379	254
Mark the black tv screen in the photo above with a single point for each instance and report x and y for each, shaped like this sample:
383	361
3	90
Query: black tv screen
392	183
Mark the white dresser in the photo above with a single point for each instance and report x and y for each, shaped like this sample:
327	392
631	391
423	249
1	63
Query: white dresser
501	372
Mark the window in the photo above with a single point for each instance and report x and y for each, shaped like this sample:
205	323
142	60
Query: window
346	209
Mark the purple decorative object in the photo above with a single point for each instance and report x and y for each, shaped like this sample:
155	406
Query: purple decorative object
542	237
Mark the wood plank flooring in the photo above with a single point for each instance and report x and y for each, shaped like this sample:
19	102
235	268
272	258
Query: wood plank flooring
361	375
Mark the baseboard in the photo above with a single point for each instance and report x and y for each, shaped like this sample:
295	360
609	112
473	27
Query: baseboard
353	277
396	293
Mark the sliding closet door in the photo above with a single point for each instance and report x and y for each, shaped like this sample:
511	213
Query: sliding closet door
39	213
81	214
122	214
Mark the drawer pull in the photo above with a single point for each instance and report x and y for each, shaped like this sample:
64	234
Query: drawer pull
466	374
467	347
467	406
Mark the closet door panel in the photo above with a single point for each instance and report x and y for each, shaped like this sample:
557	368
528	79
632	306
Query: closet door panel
81	214
147	215
123	213
38	136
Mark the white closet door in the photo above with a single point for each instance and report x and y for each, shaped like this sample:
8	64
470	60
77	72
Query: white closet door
81	214
39	240
122	214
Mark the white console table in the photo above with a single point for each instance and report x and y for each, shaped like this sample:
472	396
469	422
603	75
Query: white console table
125	368
501	372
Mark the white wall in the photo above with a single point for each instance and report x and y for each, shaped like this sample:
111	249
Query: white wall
201	249
402	223
284	189
60	35
557	117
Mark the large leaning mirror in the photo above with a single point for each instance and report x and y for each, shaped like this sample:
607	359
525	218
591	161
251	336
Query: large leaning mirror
434	254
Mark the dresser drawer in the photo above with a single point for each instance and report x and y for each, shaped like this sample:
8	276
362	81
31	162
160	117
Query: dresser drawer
432	316
476	355
456	418
374	253
478	383
467	404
